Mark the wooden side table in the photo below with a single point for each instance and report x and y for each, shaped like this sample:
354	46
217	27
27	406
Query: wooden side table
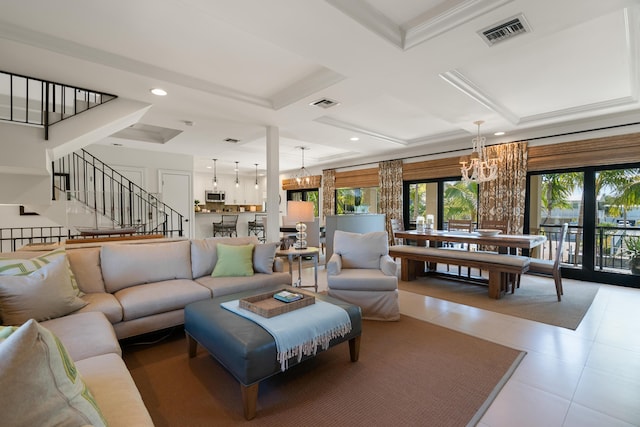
291	254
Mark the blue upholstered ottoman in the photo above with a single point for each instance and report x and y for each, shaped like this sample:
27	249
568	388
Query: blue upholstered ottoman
243	347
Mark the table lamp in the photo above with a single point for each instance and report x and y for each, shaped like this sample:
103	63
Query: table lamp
300	212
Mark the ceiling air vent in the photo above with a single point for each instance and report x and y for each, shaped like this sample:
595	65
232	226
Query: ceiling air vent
325	103
505	30
232	141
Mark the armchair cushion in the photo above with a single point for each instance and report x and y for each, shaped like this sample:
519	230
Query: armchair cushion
361	250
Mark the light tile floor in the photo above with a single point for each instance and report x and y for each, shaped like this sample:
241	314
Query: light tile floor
582	378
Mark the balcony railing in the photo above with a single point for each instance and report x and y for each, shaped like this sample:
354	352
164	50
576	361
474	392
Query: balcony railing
610	249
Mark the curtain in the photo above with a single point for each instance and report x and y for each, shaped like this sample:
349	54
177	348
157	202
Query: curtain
390	183
503	198
328	193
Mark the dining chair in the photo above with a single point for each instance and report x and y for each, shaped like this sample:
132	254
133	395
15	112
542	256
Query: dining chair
503	226
552	266
461	225
396	225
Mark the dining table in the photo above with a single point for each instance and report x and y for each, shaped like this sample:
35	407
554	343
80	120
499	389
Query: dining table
520	241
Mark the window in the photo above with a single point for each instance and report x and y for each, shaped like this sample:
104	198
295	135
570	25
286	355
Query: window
460	201
356	200
602	207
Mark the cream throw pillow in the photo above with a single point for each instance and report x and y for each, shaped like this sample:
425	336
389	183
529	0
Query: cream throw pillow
44	294
39	383
22	267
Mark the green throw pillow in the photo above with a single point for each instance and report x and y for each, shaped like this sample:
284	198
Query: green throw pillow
40	385
234	260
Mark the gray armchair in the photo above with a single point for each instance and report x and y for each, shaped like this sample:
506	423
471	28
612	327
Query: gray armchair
360	271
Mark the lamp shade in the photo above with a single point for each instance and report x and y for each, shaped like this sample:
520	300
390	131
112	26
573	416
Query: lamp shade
300	211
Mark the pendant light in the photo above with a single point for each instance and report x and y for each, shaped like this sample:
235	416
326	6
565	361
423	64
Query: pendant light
256	186
215	174
237	180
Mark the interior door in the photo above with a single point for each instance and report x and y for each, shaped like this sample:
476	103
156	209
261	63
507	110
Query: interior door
176	191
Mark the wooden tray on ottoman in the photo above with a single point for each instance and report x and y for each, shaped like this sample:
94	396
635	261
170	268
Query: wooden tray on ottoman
266	305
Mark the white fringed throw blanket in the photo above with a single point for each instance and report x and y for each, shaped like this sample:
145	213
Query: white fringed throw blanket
299	332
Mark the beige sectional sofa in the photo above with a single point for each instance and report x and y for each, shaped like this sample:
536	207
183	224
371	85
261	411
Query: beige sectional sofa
131	289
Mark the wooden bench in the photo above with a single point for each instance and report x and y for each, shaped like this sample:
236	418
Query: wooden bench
499	266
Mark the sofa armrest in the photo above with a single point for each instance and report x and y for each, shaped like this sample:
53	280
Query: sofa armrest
334	265
388	266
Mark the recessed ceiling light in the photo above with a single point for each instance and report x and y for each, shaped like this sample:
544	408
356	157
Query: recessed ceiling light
354	138
208	167
499	133
158	91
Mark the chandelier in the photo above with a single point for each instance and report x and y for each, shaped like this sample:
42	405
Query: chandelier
479	167
303	177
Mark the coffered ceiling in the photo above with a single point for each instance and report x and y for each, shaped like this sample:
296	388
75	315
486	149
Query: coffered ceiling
409	77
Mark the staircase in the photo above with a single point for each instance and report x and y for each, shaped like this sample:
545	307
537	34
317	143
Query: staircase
100	200
88	195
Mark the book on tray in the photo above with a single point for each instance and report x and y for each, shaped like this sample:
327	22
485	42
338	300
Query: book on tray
286	296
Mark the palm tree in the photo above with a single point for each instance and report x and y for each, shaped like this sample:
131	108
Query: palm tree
461	200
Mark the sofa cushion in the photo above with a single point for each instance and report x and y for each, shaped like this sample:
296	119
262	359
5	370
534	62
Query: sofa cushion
227	285
22	267
104	303
85	264
234	260
129	265
204	254
360	250
85	335
40	383
159	297
263	257
113	388
43	294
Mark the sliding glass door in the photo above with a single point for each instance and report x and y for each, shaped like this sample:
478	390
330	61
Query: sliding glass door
602	207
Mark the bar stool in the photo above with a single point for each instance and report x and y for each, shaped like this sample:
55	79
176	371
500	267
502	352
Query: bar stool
226	226
256	227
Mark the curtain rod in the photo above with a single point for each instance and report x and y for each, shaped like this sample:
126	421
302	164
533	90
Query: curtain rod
510	142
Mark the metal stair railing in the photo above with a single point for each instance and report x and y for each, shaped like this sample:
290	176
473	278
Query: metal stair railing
40	102
82	177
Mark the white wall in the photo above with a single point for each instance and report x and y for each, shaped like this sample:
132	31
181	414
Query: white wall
151	161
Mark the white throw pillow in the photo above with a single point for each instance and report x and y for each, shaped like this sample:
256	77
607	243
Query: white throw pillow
39	383
360	250
44	294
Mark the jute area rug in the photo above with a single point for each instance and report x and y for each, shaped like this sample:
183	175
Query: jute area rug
410	373
535	299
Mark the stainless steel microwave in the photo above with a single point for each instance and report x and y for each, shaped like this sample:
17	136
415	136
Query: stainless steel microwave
214	196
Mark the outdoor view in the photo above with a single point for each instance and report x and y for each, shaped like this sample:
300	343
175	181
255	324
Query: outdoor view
616	217
460	201
356	200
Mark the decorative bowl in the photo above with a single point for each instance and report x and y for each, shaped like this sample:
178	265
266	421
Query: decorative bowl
487	232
